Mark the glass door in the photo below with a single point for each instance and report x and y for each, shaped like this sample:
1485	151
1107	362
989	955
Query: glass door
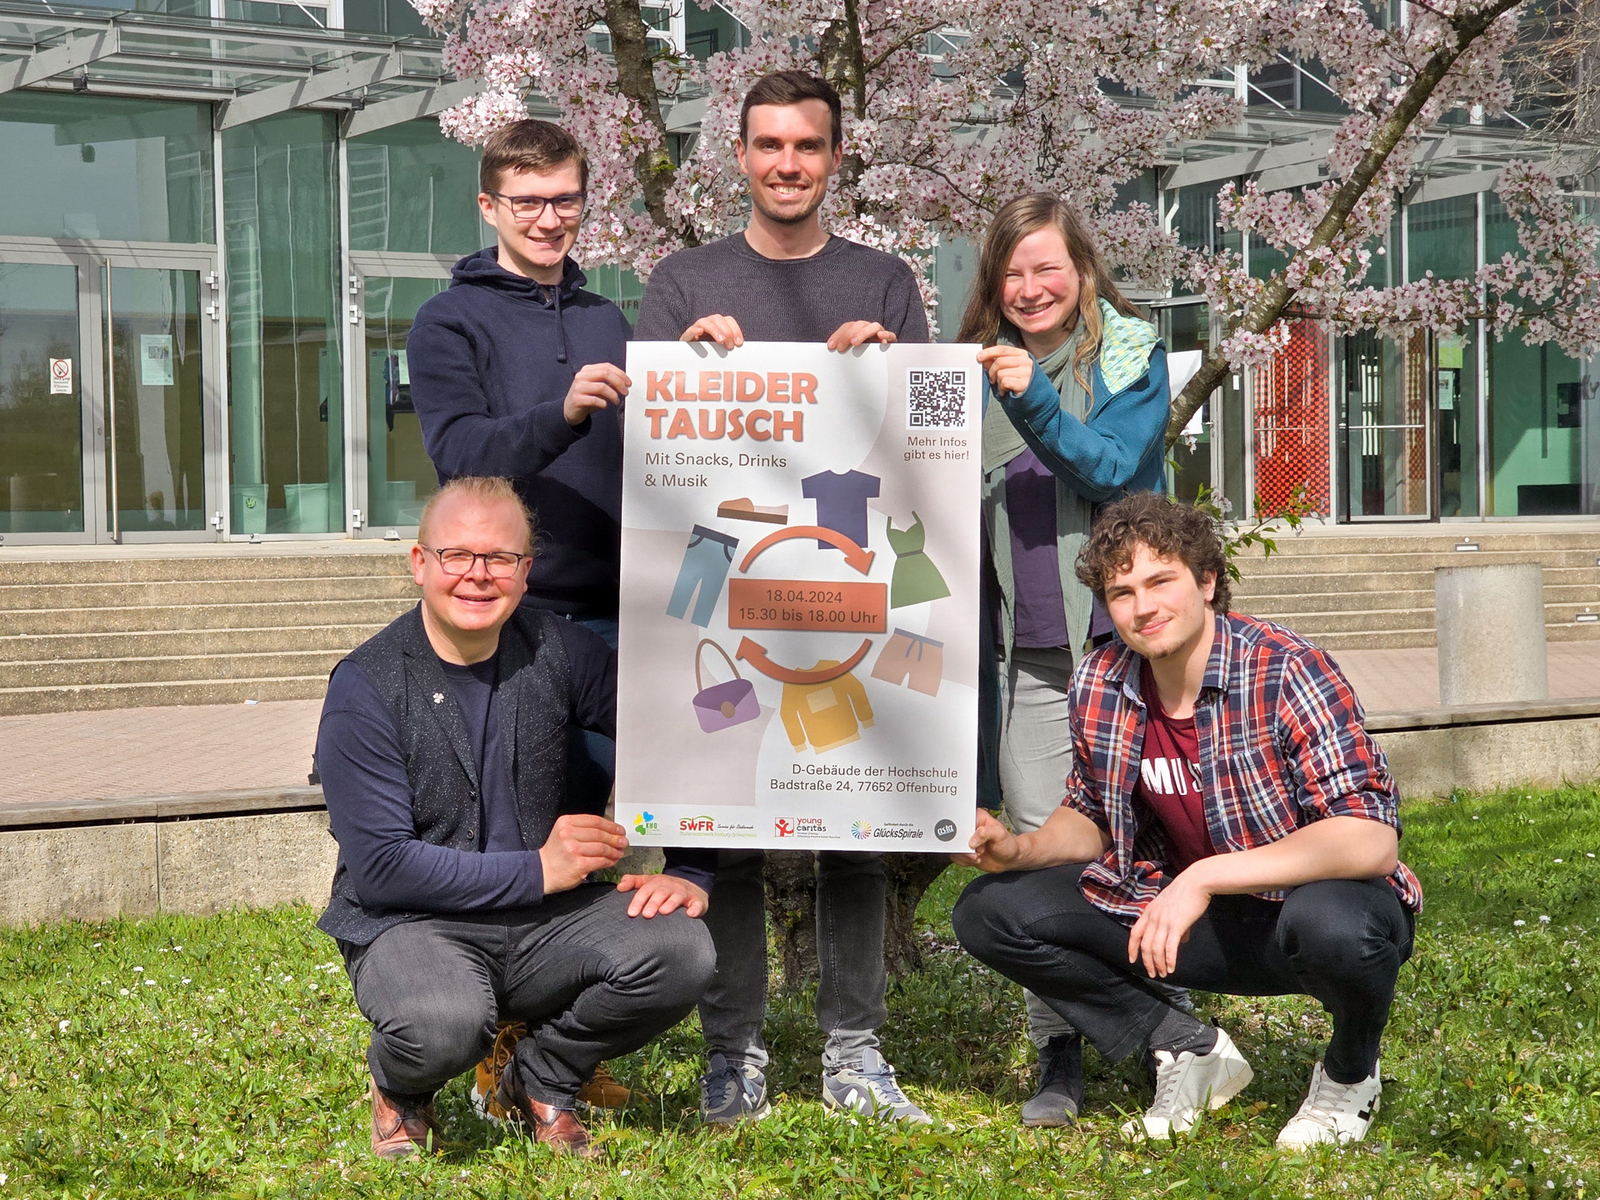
154	404
398	475
42	419
1385	426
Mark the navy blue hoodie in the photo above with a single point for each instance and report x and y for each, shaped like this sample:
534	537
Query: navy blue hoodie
491	360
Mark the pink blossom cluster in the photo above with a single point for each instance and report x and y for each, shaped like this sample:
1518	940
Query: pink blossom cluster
968	104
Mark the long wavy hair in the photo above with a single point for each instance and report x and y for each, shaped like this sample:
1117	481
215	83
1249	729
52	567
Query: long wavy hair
984	322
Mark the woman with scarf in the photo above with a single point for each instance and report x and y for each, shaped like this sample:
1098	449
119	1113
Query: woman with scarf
1075	416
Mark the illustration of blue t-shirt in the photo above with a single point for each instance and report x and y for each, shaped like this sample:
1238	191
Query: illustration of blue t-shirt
841	502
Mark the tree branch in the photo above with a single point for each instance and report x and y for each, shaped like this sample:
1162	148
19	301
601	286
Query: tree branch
630	50
1269	305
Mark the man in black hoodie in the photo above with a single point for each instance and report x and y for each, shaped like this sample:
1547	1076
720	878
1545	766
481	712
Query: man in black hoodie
516	372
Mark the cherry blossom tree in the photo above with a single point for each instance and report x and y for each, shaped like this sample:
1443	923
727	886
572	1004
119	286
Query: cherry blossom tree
953	107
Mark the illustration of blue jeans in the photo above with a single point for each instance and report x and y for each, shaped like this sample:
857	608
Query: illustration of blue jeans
705	565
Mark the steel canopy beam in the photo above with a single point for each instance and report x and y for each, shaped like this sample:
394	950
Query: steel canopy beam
76	52
423	103
324	85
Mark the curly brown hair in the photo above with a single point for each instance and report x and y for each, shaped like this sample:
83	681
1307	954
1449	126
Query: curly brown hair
1168	528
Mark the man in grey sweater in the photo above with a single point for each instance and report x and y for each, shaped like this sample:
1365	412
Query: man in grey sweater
786	279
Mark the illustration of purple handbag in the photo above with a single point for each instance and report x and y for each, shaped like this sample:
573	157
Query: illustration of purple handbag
723	705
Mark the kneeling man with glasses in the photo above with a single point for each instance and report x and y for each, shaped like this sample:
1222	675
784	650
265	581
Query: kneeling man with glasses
1228	826
462	896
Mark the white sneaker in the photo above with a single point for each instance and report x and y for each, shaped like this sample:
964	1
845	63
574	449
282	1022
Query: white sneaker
1333	1112
1188	1083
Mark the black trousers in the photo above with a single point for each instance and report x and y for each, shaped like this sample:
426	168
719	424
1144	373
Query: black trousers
591	982
1341	941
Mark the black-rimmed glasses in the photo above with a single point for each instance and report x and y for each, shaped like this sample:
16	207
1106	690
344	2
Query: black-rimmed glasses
531	208
500	564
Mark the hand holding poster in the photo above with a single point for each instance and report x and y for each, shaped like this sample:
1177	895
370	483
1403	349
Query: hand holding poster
798	647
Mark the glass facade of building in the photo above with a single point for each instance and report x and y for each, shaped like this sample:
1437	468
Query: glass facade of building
203	332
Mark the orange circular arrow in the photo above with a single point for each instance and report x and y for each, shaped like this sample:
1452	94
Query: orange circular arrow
855	555
756	655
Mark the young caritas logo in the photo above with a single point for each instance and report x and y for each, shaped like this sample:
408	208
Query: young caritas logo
811	827
696	825
783	826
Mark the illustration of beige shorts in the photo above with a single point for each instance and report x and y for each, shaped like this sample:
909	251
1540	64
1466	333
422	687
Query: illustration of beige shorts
912	659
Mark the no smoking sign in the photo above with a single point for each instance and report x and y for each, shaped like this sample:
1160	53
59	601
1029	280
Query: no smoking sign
61	377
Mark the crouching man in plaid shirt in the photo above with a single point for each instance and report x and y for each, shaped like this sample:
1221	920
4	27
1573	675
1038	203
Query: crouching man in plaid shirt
1228	825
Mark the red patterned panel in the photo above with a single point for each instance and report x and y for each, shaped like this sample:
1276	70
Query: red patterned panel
1291	421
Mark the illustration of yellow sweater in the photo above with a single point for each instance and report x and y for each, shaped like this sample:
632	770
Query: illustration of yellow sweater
828	715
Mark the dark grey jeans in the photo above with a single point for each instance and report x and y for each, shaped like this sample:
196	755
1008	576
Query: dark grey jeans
591	982
1341	941
851	892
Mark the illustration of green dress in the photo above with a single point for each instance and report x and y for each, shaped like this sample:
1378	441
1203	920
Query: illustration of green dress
916	580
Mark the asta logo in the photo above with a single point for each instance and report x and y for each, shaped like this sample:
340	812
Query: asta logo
861	830
696	825
783	827
945	830
644	823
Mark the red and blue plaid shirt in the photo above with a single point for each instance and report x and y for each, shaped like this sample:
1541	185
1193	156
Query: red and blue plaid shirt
1281	745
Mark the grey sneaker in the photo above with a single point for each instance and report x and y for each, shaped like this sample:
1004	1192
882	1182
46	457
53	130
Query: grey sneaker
1060	1093
871	1091
1187	1084
730	1094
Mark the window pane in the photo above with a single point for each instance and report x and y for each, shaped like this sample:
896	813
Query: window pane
394	17
104	167
413	189
285	399
1443	238
400	477
41	431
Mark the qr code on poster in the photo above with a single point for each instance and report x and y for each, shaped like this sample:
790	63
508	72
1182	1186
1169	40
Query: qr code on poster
936	399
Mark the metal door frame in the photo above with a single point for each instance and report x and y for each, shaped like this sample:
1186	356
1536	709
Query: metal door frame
365	265
93	259
1344	493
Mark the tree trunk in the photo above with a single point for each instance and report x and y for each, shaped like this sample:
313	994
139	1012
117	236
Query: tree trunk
630	49
791	889
1266	308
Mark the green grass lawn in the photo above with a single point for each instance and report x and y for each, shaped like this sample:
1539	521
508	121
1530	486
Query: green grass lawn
223	1056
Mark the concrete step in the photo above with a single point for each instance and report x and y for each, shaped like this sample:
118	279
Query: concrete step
52	647
1405	601
1441	542
1387	581
204	591
1387	620
280	614
172	668
15	700
1392	639
1253	563
16	571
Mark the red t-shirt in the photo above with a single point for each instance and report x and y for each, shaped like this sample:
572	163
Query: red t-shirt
1169	779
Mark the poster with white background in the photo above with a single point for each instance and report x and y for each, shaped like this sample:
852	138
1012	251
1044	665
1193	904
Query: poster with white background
797	665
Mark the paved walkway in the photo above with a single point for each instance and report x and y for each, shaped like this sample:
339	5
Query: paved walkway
161	751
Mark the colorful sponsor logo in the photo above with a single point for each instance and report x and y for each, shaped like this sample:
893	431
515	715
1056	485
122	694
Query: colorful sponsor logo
645	823
945	830
696	825
783	826
900	830
861	830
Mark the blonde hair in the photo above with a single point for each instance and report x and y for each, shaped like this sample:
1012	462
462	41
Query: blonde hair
984	322
482	489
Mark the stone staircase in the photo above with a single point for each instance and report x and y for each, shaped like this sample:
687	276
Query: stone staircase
217	628
1374	591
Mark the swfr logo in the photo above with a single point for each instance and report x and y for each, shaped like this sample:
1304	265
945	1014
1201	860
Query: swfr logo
696	825
783	827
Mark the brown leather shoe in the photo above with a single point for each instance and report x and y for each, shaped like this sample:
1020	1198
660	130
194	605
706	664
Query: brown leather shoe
603	1090
557	1128
485	1098
399	1131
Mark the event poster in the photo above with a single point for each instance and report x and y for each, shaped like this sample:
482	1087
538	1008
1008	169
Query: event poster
797	664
